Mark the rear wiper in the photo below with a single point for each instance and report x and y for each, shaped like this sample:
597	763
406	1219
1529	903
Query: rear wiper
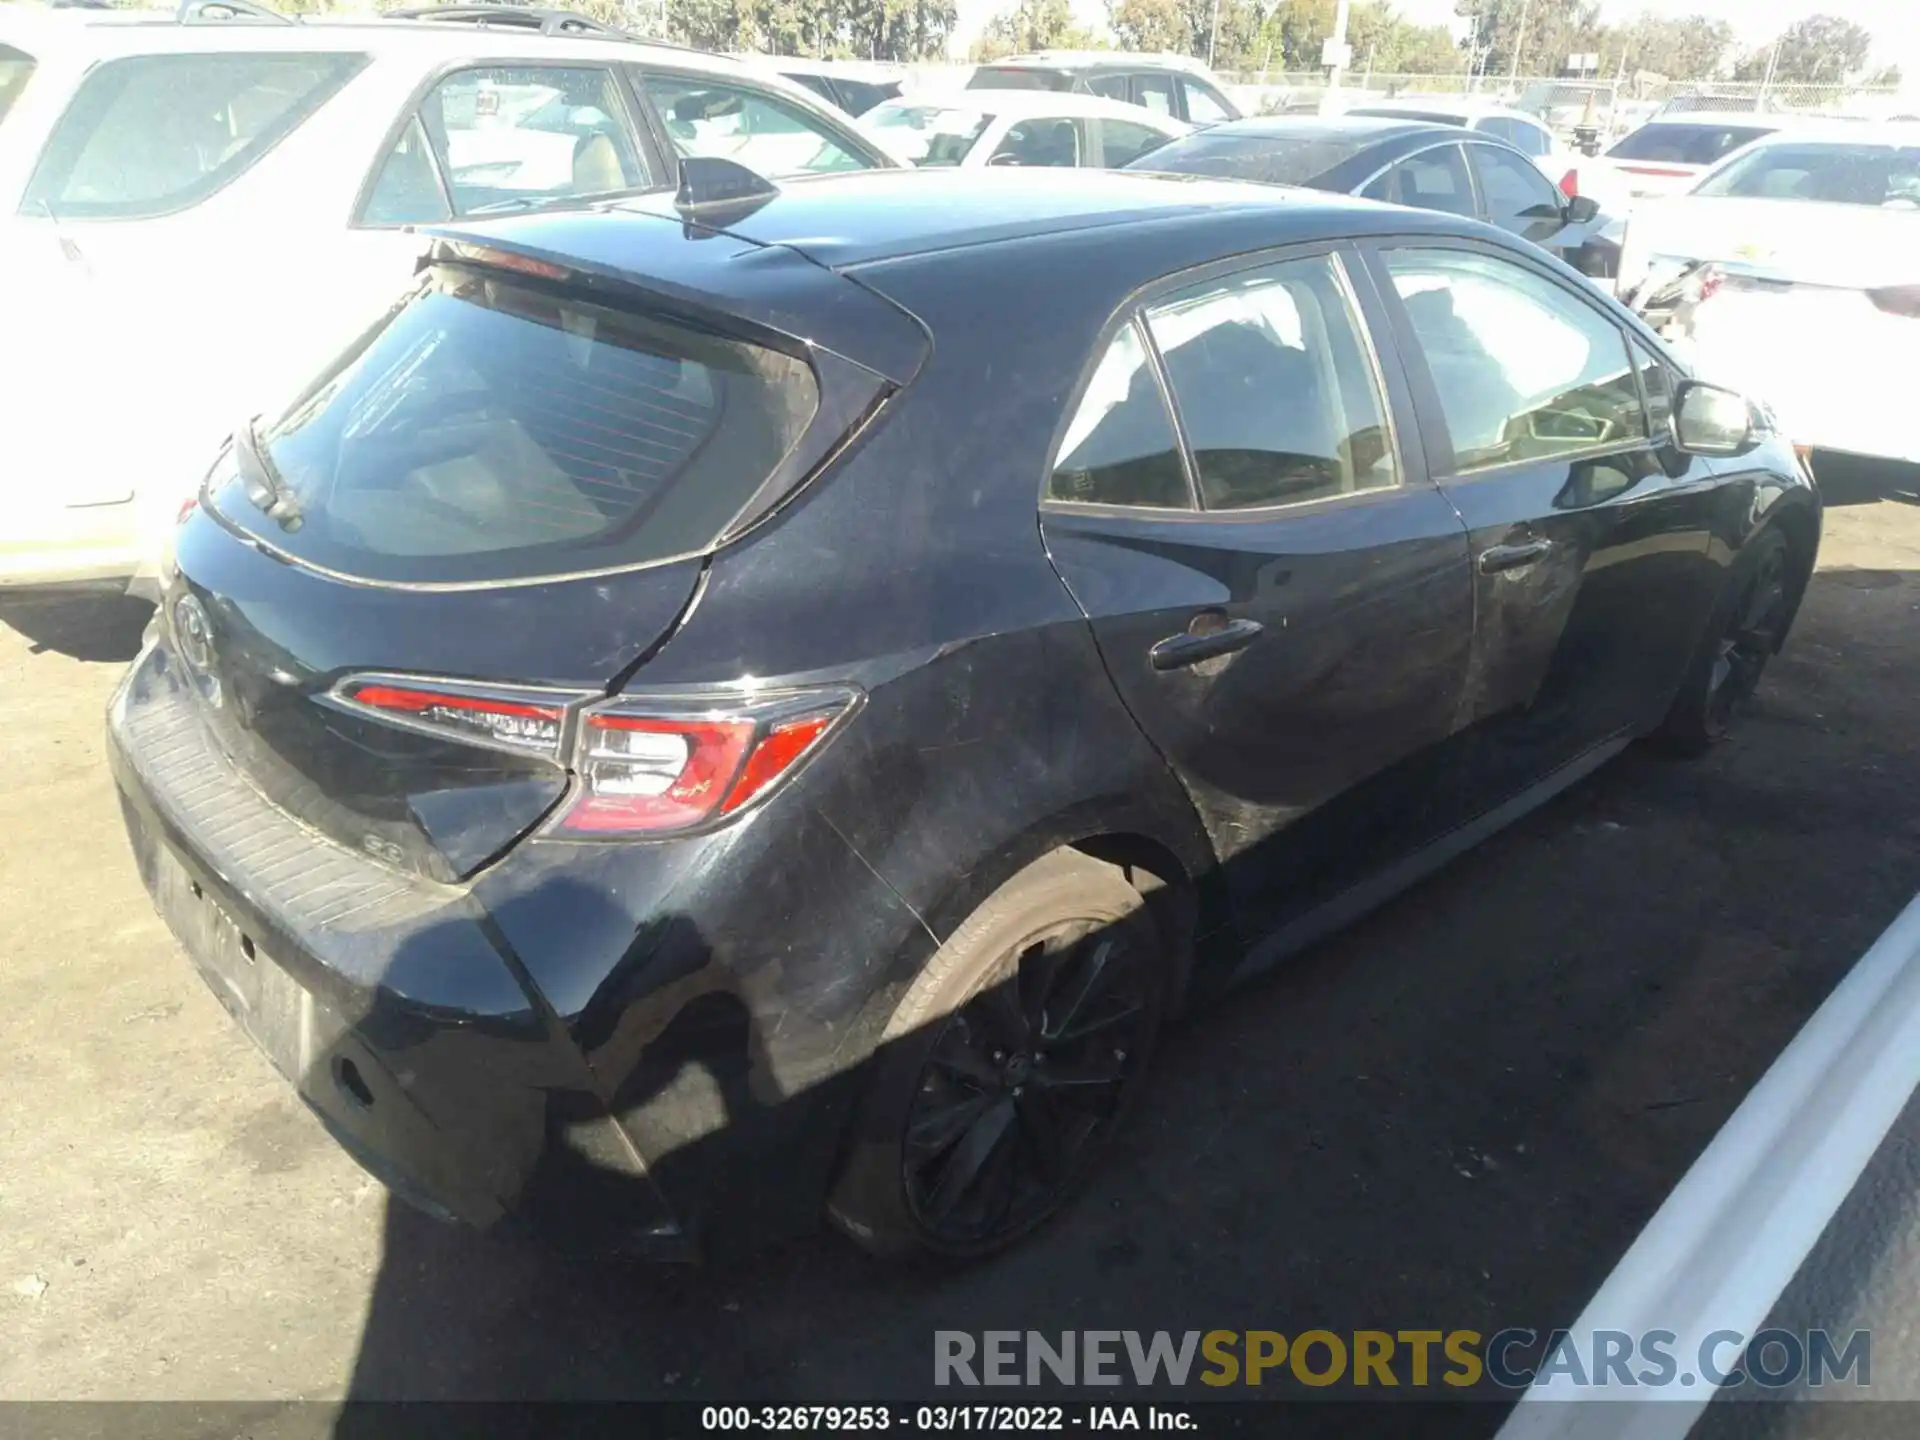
264	485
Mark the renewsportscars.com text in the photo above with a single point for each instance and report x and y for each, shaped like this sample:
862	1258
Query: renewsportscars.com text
1381	1359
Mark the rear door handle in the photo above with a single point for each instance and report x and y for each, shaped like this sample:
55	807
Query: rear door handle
1189	648
1496	558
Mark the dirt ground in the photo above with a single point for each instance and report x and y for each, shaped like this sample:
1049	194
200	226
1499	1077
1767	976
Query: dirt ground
1457	1114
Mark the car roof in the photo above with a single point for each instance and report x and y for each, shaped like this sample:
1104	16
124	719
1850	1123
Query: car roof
1036	102
1455	104
110	33
1096	60
1744	119
858	218
1378	128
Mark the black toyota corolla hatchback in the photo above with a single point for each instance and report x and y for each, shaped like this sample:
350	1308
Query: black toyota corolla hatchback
750	709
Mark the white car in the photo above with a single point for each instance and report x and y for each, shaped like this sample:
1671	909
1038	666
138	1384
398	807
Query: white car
1803	251
193	215
1667	155
1019	127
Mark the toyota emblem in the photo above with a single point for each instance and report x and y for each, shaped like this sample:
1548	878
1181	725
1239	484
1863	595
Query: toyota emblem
193	633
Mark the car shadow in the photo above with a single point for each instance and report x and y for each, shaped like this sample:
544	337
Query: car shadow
1455	1115
98	626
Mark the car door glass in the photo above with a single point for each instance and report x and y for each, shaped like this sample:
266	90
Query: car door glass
519	135
1435	179
760	131
1122	141
407	191
1524	370
1044	140
1518	197
1114	87
1156	93
1120	447
1657	381
1202	107
1274	386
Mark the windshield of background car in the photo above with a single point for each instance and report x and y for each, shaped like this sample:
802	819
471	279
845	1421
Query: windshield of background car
493	428
1274	161
927	134
153	134
15	66
1833	172
1018	77
1685	144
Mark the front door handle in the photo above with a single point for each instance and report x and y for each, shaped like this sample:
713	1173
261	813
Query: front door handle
1496	558
1214	635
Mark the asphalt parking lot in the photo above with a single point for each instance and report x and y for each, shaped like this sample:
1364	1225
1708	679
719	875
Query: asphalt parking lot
1456	1115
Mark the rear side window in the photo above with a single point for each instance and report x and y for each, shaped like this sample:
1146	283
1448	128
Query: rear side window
1685	144
154	134
495	429
15	68
1120	448
1274	387
1122	142
1018	77
1432	180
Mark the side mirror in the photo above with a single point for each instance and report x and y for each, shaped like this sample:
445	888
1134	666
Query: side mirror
1004	159
1708	420
1582	210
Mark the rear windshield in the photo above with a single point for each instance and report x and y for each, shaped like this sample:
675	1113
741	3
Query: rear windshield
1836	173
15	66
153	134
1018	77
927	134
497	429
1251	157
1685	144
1431	117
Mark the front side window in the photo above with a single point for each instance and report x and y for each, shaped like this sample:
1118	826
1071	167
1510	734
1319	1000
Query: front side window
1043	141
1203	106
1274	387
763	132
1831	172
16	66
1120	447
928	133
514	137
1122	142
154	134
1524	370
492	428
1435	179
1518	197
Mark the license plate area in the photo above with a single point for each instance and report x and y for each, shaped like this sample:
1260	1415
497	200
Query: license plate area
276	1012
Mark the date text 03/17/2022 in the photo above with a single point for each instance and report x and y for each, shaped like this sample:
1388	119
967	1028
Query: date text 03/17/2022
941	1419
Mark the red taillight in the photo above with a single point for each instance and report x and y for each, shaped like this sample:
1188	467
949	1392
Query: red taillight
1570	184
187	507
1898	300
642	771
508	718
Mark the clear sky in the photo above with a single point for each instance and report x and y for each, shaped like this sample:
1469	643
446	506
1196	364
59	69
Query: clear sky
1894	23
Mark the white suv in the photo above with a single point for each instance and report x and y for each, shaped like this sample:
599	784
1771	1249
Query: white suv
193	214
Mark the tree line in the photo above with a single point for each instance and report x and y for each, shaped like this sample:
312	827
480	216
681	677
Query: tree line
1534	37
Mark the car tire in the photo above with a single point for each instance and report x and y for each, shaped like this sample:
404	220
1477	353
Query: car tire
1745	631
1007	1065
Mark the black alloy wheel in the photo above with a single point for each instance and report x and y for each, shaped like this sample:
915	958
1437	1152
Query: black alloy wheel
1024	1081
1752	634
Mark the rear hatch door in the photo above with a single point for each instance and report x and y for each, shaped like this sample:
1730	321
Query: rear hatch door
491	510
